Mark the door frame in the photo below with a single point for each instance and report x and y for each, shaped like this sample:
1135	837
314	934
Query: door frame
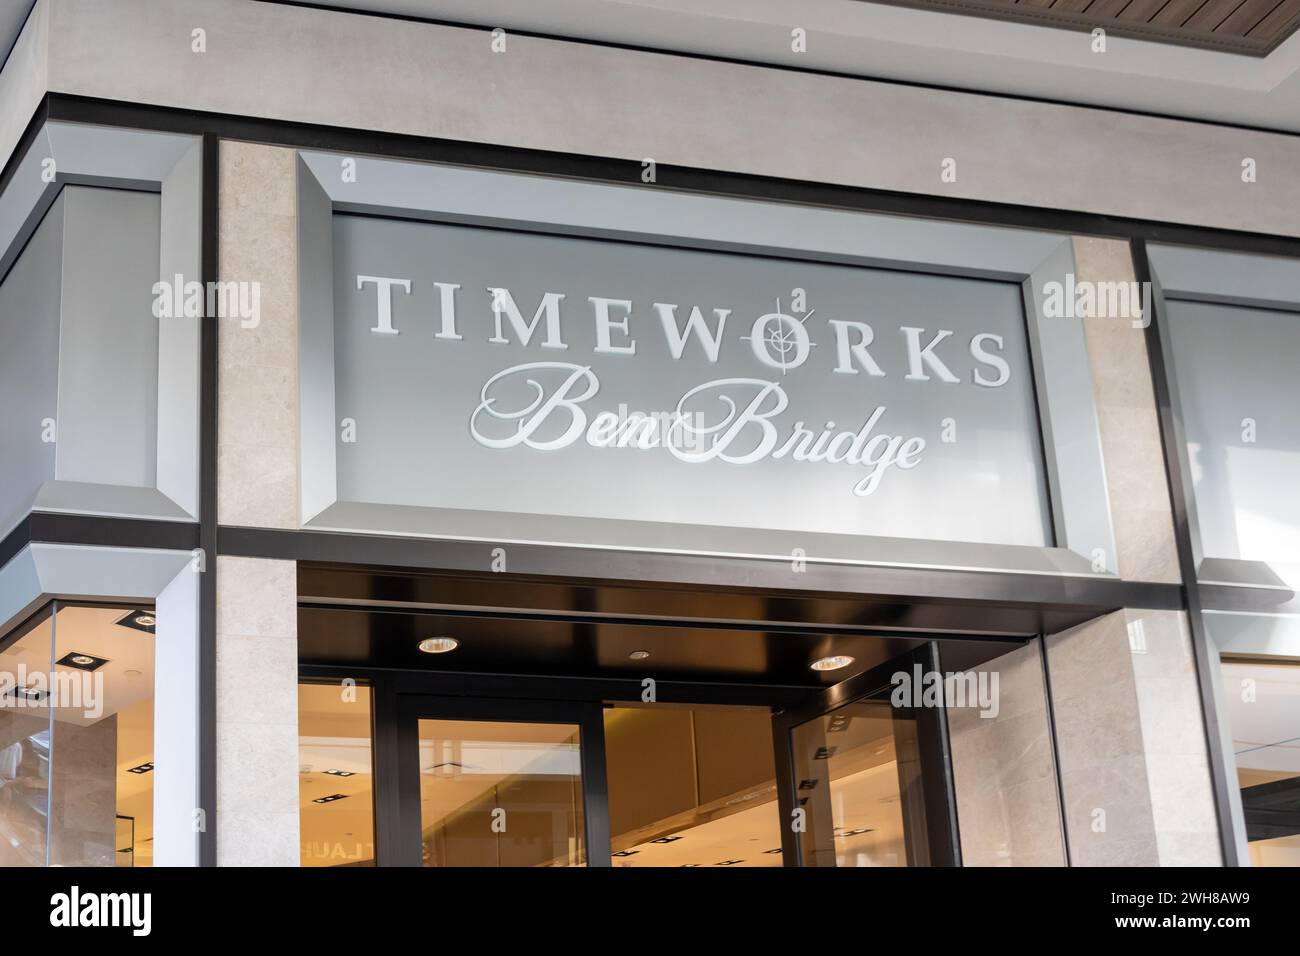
397	757
939	794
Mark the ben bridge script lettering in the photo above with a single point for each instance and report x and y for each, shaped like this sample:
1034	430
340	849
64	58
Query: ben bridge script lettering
726	419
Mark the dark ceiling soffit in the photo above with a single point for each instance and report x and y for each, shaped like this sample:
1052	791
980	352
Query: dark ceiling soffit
559	579
1114	26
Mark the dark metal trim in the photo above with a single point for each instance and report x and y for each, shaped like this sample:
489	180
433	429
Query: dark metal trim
208	371
786	789
113	532
56	528
1187	537
513	687
388	780
539	562
17	539
941	786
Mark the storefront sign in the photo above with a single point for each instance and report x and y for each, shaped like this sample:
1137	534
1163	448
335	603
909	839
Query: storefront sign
507	371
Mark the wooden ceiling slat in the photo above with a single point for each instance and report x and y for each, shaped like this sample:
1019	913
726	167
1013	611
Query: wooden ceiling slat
1141	11
1107	9
1212	14
1283	16
1244	26
1240	22
1176	12
1071	6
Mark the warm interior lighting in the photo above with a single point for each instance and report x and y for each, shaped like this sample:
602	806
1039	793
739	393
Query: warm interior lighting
439	645
833	663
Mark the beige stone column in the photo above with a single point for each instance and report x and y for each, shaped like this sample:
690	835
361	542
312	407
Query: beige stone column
257	712
257	647
1131	742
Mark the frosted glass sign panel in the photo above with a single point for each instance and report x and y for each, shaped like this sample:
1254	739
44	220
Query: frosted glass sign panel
1239	390
503	371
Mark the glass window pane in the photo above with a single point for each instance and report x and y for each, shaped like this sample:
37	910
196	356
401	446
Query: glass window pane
25	746
101	785
1263	704
336	778
1237	387
500	794
692	786
858	777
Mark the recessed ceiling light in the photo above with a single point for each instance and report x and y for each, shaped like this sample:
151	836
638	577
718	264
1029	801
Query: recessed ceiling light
638	655
143	768
439	645
666	839
833	663
625	853
340	773
331	798
139	621
80	661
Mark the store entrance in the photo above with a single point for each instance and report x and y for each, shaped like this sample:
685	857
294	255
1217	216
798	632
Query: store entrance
486	737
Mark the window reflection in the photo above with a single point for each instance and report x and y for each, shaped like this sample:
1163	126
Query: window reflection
500	794
336	780
1264	713
858	778
76	740
692	787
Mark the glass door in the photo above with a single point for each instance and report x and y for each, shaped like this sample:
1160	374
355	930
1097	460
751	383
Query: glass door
867	779
487	784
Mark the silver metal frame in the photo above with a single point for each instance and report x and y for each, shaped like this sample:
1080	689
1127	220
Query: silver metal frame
1076	474
78	154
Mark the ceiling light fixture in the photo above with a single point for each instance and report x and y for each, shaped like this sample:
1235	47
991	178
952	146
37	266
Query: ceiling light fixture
139	621
638	655
833	663
143	768
331	798
79	661
439	645
340	773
